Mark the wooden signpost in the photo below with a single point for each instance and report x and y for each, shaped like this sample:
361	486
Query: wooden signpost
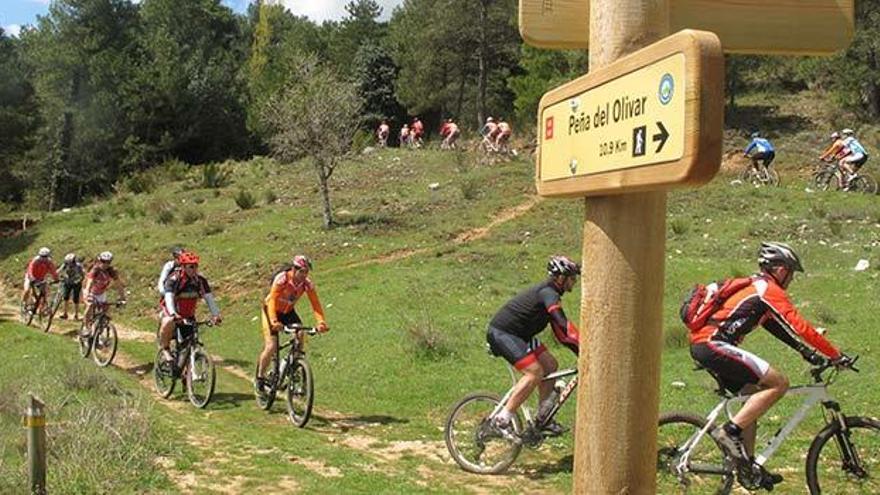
805	27
647	117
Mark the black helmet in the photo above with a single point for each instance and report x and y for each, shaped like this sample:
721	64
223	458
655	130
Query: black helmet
562	265
777	253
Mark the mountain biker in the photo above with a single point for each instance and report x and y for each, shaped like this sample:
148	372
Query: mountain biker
512	335
98	279
382	133
836	150
763	151
72	275
856	158
168	268
183	289
35	273
404	135
716	346
279	308
504	133
489	131
418	130
449	131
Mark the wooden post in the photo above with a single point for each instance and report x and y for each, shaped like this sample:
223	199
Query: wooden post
35	422
621	309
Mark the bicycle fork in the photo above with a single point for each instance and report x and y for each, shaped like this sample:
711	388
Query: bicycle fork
849	457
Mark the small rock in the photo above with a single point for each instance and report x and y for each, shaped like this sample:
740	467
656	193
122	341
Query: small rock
678	384
434	186
65	210
862	265
368	150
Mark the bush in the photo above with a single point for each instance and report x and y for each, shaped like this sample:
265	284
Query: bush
245	200
679	226
425	337
163	211
191	216
173	170
138	183
212	230
463	162
214	176
470	188
269	196
362	139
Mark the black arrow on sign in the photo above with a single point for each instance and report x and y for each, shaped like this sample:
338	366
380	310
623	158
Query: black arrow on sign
662	136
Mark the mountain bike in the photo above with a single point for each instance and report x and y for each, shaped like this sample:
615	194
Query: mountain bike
831	175
36	307
99	339
190	363
478	447
844	456
292	374
57	299
758	175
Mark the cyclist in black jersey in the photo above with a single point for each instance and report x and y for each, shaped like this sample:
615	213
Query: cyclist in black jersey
512	335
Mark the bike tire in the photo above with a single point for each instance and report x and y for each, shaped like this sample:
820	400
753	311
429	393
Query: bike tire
265	400
822	181
772	177
105	343
163	376
467	432
826	471
32	311
84	338
300	391
53	308
864	184
710	469
24	312
201	378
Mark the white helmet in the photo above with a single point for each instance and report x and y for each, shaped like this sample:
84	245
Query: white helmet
106	256
69	258
490	119
44	252
835	135
848	132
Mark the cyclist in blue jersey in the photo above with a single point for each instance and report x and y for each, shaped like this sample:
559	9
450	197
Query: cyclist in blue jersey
512	335
857	156
760	149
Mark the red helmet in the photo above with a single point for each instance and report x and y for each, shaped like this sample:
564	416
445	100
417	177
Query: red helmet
188	258
301	262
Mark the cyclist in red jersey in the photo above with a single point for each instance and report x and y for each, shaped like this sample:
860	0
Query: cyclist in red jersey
716	346
418	129
99	278
37	269
449	131
183	289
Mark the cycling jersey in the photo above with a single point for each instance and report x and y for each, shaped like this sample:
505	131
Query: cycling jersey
761	145
72	273
529	312
490	129
384	130
182	294
504	128
855	146
167	268
836	150
100	279
39	267
766	303
417	128
284	294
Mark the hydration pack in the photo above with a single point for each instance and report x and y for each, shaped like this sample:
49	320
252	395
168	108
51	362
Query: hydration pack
704	300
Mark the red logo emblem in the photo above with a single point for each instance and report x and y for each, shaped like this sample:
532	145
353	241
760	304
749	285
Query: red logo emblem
548	128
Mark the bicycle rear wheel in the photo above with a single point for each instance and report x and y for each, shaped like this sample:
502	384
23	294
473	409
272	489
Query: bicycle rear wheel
471	440
266	398
104	343
707	470
864	184
850	463
163	376
300	391
201	378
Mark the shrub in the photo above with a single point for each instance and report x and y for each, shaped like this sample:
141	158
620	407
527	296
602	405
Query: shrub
173	170
425	337
214	176
835	227
679	226
191	216
245	200
470	188
138	183
463	162
212	230
269	196
163	211
362	139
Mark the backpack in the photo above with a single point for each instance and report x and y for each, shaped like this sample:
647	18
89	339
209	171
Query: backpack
704	300
281	269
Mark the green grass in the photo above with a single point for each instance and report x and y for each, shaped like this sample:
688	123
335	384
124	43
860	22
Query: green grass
373	367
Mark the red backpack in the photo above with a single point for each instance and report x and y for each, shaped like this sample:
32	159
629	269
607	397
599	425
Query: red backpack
704	300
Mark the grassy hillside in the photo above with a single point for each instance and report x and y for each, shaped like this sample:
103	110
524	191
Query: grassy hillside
409	281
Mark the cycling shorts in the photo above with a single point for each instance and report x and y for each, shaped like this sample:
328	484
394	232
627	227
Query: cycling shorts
28	281
98	298
766	157
71	292
856	159
290	318
734	367
514	349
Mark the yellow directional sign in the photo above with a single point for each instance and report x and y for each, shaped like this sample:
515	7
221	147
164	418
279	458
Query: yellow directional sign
650	120
804	27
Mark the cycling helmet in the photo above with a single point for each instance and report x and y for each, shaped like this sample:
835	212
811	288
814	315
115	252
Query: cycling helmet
561	265
44	252
489	119
847	132
176	251
188	258
301	262
756	134
776	253
69	258
835	135
106	256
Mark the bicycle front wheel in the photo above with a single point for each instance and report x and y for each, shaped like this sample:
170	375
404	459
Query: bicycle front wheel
472	441
706	469
300	391
163	376
848	464
84	337
201	379
53	308
104	344
824	180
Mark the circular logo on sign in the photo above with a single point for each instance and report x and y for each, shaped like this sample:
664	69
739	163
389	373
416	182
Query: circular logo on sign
667	88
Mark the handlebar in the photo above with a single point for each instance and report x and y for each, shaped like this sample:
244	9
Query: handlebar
291	329
817	371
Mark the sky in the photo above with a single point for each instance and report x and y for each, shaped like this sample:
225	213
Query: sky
17	13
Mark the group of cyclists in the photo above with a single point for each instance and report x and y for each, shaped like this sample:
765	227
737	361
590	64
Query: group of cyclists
495	135
845	149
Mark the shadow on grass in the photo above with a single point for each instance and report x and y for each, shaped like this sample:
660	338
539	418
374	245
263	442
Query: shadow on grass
229	400
563	465
749	118
344	423
14	242
238	363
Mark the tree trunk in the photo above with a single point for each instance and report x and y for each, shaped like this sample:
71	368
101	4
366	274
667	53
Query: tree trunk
872	88
324	180
482	55
460	101
731	85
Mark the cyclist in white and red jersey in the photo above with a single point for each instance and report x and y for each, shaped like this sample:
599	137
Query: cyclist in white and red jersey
716	346
183	289
856	158
504	131
512	334
418	129
382	133
99	278
36	271
404	135
449	131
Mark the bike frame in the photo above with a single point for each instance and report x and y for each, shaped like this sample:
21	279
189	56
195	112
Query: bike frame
563	394
814	394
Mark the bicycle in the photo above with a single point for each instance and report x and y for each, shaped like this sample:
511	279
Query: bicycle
832	172
99	339
759	175
476	445
292	374
36	308
189	363
57	299
686	463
